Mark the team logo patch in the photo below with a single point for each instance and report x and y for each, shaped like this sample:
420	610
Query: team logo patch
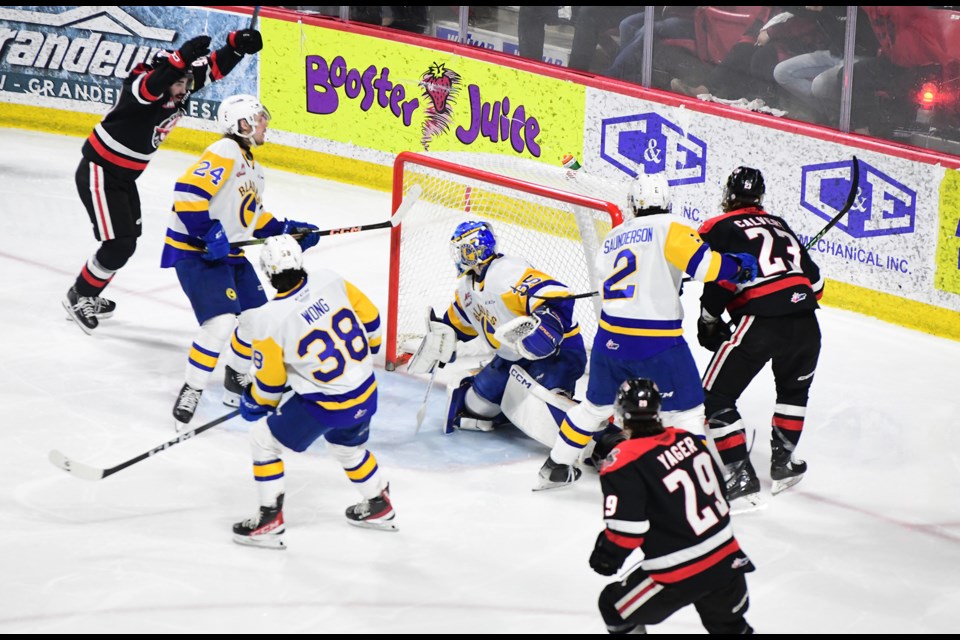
231	294
613	346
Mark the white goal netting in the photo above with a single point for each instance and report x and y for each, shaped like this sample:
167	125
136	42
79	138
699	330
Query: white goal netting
552	217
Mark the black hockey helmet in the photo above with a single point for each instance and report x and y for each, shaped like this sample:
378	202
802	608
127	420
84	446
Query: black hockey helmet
745	188
637	407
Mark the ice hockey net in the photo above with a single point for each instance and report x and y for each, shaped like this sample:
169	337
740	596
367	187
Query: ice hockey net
552	217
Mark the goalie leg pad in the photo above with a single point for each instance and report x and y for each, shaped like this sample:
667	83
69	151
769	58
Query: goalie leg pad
533	408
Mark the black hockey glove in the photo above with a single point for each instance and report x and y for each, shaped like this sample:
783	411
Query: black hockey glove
712	333
190	51
607	557
245	41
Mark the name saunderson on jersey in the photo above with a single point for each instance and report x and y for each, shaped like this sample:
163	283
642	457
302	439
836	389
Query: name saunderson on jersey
315	311
630	237
677	453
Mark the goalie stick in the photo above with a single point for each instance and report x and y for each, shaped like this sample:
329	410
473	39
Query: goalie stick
408	201
88	472
851	198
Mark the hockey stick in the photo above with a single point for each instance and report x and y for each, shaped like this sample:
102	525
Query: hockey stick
408	201
426	399
87	472
253	18
851	198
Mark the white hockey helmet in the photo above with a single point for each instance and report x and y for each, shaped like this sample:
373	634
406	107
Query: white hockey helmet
649	193
279	254
237	109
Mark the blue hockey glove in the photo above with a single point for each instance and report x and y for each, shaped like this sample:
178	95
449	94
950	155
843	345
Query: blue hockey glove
218	247
546	338
250	409
748	267
308	239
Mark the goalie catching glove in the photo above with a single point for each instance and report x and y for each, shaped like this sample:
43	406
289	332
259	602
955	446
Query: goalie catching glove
438	345
533	337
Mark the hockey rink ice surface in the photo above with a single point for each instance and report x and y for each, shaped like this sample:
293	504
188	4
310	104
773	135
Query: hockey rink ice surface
869	542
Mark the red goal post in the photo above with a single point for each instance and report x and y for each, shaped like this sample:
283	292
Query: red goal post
550	216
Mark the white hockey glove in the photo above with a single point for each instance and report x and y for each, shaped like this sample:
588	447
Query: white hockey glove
533	337
438	345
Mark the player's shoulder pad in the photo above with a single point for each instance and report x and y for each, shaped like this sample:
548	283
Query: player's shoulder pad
631	450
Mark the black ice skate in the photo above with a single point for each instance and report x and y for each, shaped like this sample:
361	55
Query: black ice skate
186	406
785	470
264	529
81	310
743	487
554	475
234	384
377	513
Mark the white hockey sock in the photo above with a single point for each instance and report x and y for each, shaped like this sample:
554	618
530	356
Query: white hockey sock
361	467
205	350
577	429
268	468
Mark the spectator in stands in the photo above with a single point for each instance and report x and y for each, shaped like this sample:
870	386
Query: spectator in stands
403	18
815	78
532	22
747	69
670	23
591	25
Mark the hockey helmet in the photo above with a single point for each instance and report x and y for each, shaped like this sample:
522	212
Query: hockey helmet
239	109
745	188
648	194
472	245
280	253
637	407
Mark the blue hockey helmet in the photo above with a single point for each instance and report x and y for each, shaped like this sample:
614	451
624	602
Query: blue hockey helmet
472	245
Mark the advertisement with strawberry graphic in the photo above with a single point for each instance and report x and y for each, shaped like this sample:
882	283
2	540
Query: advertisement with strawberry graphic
440	88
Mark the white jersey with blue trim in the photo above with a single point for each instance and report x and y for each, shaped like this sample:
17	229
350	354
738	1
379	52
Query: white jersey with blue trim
501	294
642	263
225	184
317	339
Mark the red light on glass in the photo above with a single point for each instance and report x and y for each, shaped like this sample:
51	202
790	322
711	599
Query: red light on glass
927	97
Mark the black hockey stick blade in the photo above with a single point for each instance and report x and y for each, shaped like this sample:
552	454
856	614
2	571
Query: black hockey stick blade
851	198
408	201
87	472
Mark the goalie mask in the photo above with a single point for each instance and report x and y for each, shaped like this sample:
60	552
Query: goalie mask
745	188
648	194
237	111
637	407
472	246
279	254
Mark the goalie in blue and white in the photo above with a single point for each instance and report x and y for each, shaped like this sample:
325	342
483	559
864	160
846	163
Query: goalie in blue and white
642	263
494	301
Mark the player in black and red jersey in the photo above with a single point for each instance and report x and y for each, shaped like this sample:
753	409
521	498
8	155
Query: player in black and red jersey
663	494
774	321
153	99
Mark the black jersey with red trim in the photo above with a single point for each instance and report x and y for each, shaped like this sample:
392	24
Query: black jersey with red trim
126	139
664	494
788	280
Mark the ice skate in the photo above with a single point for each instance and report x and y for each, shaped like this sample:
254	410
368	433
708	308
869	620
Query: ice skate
234	384
186	406
263	530
554	475
785	470
743	488
376	513
81	310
